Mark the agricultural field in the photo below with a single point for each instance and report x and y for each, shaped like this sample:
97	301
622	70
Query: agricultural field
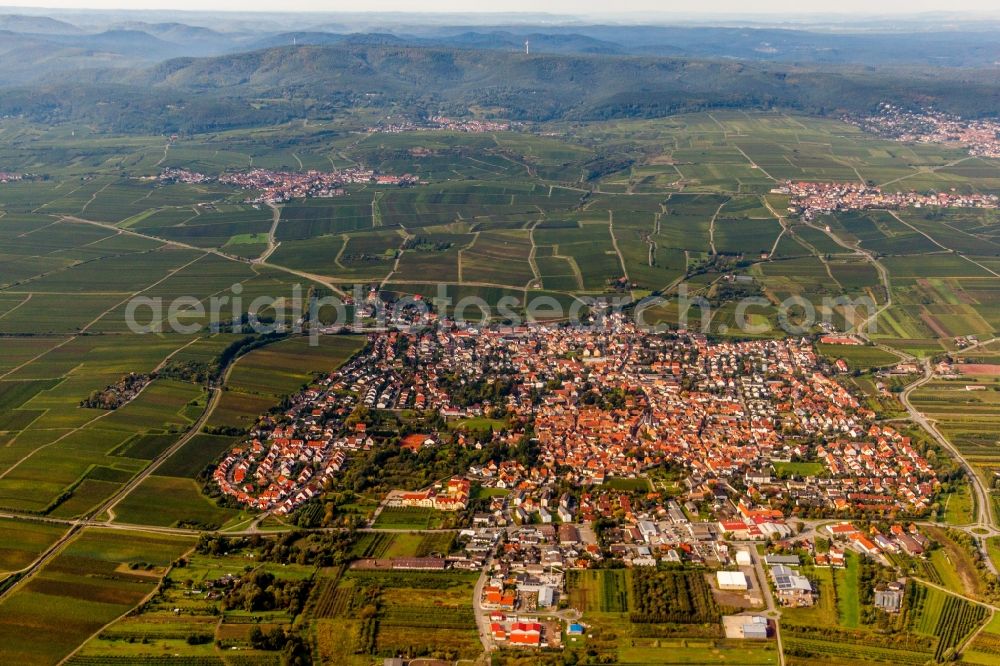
97	577
24	541
262	378
417	613
843	625
861	357
510	220
984	648
656	617
949	618
185	620
408	518
259	380
966	411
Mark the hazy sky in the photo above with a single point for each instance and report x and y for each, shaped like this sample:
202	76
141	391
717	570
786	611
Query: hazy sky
576	7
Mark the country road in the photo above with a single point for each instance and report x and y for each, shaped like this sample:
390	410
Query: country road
482	620
984	503
772	609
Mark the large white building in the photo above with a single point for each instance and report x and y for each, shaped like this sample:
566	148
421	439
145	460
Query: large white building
732	580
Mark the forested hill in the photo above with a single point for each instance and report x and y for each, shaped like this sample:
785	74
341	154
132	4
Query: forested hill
317	80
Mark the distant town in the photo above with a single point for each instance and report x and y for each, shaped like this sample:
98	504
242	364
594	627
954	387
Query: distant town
272	187
980	137
816	198
441	123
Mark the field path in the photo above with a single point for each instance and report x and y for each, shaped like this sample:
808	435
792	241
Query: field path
97	418
531	254
171	273
272	239
754	165
319	279
947	249
93	197
22	303
376	211
395	265
577	273
920	170
108	505
883	276
475	239
166	149
340	253
35	358
614	244
711	226
149	597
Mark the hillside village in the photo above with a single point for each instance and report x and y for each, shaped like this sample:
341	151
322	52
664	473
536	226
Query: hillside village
273	187
981	138
813	199
443	123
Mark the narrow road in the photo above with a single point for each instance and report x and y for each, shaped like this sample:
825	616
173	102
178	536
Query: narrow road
272	241
984	504
711	227
947	249
213	401
482	619
324	281
772	608
614	244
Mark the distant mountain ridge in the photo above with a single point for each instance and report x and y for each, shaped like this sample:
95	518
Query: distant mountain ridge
134	74
37	24
201	94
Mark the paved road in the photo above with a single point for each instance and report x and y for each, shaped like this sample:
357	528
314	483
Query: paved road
75	526
984	503
772	608
985	519
113	501
272	239
482	619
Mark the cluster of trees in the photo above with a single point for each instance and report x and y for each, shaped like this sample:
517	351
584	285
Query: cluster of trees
493	390
969	543
426	244
117	394
608	400
870	575
294	649
197	372
672	596
245	345
389	467
319	549
901	641
261	591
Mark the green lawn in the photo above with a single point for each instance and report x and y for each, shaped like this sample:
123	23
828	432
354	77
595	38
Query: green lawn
408	518
785	469
847	592
959	506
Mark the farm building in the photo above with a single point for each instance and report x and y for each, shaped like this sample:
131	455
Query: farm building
732	580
